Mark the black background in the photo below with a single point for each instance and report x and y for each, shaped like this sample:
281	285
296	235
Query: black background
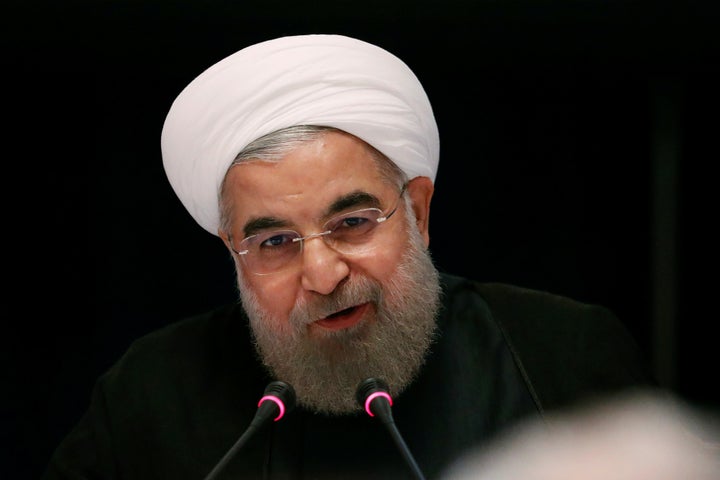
565	125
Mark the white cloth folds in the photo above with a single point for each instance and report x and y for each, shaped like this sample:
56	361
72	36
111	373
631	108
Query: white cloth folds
316	79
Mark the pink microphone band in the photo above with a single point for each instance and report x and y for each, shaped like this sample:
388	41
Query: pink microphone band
372	397
279	403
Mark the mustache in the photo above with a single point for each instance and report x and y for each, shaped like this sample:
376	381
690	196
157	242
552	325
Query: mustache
350	294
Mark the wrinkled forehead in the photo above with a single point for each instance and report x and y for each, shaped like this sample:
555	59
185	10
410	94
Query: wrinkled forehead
310	176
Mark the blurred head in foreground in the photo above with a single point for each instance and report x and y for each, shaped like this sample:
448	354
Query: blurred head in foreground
640	437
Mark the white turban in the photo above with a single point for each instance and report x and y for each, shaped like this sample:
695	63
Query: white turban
328	80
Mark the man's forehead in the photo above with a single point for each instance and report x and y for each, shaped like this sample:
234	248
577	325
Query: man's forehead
334	161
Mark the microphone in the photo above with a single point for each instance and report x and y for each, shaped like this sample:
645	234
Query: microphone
278	399
372	394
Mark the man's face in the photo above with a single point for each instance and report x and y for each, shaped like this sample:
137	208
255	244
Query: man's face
331	319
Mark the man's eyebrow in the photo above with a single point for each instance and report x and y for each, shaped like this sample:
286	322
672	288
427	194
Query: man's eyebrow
255	225
356	199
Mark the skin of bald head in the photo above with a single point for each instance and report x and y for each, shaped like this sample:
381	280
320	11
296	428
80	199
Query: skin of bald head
637	436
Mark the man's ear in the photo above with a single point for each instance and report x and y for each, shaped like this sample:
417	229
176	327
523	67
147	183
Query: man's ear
421	191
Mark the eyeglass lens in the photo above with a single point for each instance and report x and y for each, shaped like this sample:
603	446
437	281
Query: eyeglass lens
271	251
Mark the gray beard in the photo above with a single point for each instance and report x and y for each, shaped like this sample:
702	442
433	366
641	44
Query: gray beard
326	370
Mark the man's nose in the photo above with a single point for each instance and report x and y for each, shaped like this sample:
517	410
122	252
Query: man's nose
323	268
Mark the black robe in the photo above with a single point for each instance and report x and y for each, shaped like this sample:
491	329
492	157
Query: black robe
180	397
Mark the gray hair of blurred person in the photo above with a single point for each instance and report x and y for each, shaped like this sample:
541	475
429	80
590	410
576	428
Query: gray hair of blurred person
638	436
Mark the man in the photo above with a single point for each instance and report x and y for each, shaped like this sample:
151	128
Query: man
313	158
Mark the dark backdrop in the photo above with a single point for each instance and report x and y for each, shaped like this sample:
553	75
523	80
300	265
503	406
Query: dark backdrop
577	141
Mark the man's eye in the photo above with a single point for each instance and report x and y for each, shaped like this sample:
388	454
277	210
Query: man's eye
276	240
351	222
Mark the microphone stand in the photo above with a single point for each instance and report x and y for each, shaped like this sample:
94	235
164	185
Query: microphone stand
372	395
279	398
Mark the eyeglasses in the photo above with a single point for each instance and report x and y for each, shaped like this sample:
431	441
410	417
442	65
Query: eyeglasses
350	233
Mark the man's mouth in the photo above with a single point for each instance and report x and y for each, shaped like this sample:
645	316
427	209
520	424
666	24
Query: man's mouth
344	318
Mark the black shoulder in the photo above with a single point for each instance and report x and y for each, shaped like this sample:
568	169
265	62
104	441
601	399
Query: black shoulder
566	350
185	356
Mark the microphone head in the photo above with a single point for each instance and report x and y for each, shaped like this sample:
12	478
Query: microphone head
282	400
372	394
284	392
367	387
